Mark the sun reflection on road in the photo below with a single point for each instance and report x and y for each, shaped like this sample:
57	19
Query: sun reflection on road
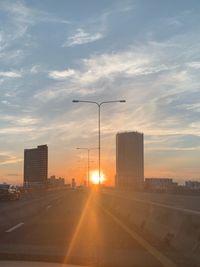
87	235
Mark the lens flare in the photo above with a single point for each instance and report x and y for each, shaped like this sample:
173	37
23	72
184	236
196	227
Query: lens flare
94	177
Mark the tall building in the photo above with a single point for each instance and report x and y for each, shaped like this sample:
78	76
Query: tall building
36	166
129	160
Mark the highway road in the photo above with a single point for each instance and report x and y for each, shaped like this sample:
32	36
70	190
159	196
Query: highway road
71	226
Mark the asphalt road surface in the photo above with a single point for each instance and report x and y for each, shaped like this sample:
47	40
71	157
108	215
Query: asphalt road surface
69	226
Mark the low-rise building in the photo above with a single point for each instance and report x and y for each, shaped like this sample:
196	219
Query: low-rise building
53	181
194	185
160	183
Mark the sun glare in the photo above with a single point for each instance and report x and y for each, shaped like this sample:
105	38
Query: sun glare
94	177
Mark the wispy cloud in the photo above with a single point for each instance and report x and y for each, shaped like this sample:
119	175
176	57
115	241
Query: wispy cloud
194	64
15	25
16	130
25	14
24	120
156	85
82	37
9	158
10	74
98	69
61	75
35	69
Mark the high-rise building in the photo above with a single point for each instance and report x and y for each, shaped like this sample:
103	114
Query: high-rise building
36	166
129	160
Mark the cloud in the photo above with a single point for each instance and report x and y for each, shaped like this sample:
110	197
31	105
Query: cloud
82	37
16	130
61	75
15	24
194	64
10	74
193	106
20	120
9	158
26	121
107	68
154	81
128	64
61	92
24	14
35	69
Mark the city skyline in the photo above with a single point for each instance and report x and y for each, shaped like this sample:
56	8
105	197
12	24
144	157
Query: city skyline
147	53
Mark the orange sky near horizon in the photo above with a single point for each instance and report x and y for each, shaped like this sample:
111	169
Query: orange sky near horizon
78	170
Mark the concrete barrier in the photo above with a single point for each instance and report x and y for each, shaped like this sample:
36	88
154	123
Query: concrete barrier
177	229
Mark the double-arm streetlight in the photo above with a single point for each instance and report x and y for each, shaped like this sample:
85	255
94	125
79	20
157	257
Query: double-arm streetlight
99	104
88	153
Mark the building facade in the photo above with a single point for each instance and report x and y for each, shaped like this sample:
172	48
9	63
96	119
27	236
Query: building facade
36	166
129	160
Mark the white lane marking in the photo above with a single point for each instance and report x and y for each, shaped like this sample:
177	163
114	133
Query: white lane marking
14	227
48	207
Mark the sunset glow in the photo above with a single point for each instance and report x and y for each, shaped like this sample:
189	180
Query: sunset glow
94	177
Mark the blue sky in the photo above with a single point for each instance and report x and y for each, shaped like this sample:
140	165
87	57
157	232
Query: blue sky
147	52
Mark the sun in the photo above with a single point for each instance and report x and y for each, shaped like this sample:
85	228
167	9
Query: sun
94	177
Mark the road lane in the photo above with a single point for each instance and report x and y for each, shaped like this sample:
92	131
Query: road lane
12	212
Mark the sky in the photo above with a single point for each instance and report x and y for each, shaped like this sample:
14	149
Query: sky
144	51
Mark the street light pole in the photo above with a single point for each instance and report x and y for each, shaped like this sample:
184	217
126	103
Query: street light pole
88	156
99	115
99	124
88	181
